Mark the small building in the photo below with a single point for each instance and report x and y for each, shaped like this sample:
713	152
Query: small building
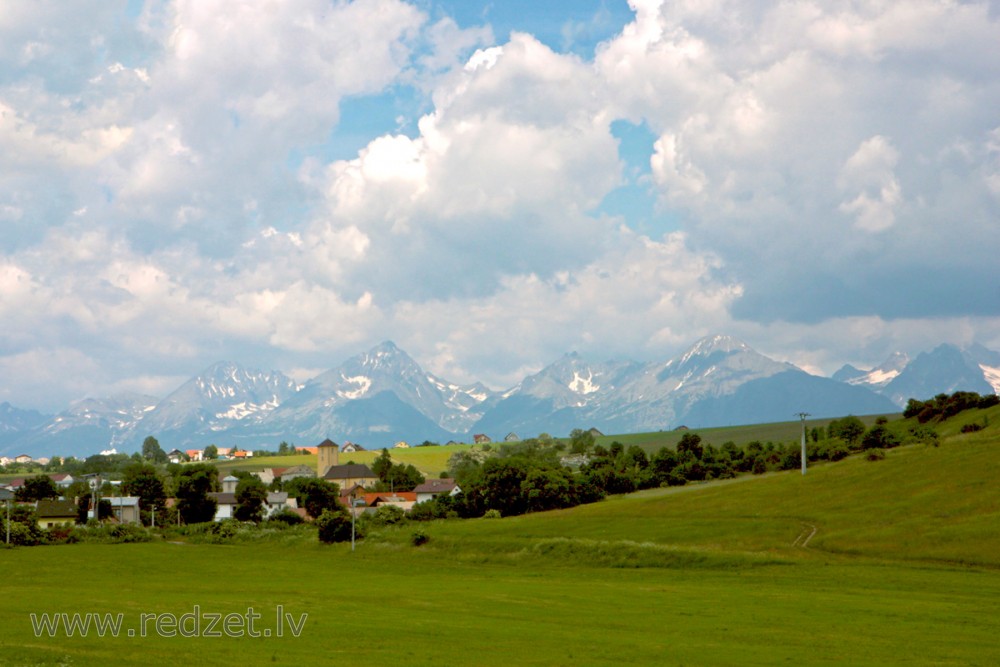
402	444
177	456
195	454
348	475
595	432
22	458
404	500
125	508
225	505
268	475
351	447
62	479
55	513
512	437
307	450
436	487
279	500
229	483
481	439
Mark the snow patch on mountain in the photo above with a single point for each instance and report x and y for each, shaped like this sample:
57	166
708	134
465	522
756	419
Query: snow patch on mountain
992	376
362	382
583	385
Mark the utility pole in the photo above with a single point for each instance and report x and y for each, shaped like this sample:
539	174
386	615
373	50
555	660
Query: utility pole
97	497
802	416
7	497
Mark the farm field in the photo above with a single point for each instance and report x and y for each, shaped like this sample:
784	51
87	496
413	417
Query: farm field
859	562
430	461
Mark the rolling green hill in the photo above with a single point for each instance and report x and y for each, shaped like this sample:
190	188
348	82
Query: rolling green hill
860	562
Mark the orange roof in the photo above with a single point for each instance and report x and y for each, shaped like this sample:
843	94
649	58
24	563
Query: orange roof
386	496
310	450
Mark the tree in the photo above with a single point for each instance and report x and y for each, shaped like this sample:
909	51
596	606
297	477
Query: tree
690	443
382	465
580	441
194	483
879	437
251	496
315	495
211	453
151	450
143	480
334	526
38	487
550	488
395	476
635	459
849	429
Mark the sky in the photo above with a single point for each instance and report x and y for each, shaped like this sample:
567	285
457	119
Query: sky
490	185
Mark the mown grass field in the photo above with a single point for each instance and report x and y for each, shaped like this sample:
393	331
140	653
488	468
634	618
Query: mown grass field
857	563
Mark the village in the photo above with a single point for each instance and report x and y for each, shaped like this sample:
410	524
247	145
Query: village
356	484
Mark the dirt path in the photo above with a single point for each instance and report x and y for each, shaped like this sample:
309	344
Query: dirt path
808	531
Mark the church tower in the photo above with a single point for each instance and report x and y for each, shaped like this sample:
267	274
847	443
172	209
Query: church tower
328	455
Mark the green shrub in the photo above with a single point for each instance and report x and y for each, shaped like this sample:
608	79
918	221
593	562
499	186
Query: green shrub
388	515
334	526
492	514
25	535
285	517
419	537
225	529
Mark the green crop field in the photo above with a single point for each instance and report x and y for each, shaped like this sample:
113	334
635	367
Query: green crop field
857	563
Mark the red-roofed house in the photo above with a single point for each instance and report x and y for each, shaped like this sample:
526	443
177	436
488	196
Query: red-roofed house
401	499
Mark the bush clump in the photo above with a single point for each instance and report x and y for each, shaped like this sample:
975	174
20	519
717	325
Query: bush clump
334	526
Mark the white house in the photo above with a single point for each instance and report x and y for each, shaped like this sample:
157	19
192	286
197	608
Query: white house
436	487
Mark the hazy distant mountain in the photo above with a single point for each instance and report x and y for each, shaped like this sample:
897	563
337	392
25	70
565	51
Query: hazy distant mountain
88	427
946	369
718	381
382	396
14	424
565	395
224	397
877	377
410	403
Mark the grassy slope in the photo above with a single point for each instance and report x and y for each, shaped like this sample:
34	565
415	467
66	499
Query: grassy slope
904	568
431	461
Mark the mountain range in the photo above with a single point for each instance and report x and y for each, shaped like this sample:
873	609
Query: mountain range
382	396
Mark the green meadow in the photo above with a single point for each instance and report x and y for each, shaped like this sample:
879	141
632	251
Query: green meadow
859	562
